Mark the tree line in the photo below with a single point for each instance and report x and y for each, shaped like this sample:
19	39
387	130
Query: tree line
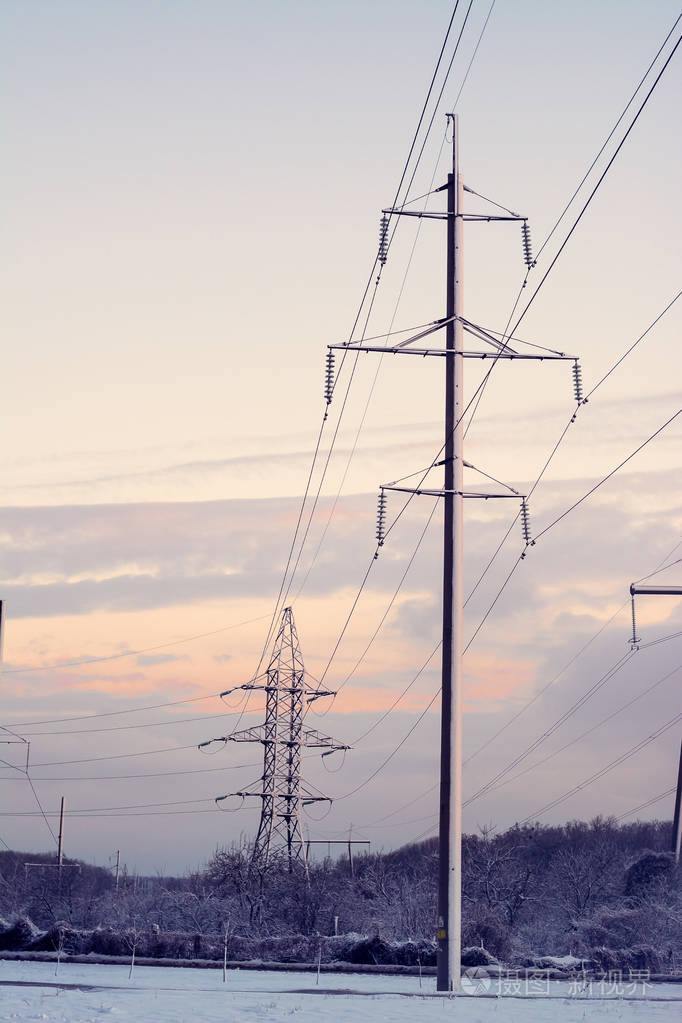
603	891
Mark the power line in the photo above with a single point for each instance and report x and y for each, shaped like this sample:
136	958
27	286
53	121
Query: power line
456	48
558	443
634	344
126	813
649	802
536	697
113	713
131	777
607	477
132	653
357	318
572	229
393	751
388	610
400	294
562	516
42	812
594	191
398	699
116	756
609	137
76	811
123	728
589	731
576	706
545	688
606	769
663	639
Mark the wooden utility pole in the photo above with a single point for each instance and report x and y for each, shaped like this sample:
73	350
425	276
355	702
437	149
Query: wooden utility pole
450	826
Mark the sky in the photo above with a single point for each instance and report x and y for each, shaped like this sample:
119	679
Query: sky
191	201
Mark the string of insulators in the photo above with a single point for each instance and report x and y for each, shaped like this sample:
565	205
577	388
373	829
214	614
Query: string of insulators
527	246
381	519
329	377
634	640
383	239
577	382
525	521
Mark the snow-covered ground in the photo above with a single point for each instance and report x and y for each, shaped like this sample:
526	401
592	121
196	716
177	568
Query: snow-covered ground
30	991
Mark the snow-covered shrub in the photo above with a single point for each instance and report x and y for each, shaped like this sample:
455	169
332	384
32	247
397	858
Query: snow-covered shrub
646	871
19	934
63	937
477	956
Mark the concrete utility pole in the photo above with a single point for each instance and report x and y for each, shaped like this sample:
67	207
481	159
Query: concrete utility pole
637	589
677	819
60	843
450	826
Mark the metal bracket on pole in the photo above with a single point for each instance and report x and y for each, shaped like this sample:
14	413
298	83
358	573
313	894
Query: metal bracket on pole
647	590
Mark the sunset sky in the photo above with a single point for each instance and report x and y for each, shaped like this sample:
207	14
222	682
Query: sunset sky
191	202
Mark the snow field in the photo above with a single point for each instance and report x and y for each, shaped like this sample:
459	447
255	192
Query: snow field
174	995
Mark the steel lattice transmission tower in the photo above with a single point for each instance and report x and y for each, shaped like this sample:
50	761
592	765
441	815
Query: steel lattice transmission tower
283	735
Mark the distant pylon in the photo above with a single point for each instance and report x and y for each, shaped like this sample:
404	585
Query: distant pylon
283	793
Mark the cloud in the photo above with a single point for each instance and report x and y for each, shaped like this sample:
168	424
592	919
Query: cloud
222	658
146	660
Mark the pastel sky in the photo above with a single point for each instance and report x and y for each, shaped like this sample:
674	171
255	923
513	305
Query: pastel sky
191	202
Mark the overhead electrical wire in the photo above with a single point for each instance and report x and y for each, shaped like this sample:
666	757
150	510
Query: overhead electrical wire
77	811
124	728
583	498
115	756
530	702
608	137
132	653
113	713
608	476
390	603
558	443
649	802
357	318
536	696
561	720
662	639
575	223
588	731
616	667
143	814
390	331
398	699
40	808
393	752
563	515
136	777
632	347
395	310
576	706
605	770
354	605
